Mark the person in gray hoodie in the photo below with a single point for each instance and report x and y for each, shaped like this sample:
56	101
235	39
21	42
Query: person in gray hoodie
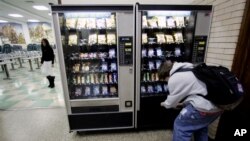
186	91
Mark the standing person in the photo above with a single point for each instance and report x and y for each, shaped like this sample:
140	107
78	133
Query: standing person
185	91
47	62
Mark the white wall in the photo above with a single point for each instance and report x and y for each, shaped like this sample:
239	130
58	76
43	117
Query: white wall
126	1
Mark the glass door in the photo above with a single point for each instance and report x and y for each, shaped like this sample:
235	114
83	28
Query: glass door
89	41
163	37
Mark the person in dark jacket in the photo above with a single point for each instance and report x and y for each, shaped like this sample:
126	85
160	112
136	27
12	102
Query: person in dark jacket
47	61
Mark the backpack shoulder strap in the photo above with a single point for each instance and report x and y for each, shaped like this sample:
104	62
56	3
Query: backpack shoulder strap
182	70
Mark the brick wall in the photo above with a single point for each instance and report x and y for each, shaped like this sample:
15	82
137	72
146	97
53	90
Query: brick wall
226	22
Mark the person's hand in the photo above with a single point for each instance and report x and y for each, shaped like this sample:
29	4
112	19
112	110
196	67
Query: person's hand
179	106
162	104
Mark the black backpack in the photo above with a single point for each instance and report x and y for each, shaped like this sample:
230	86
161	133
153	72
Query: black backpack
223	87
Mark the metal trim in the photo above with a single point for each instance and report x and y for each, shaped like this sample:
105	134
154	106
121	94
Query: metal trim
59	8
94	102
208	36
138	63
98	129
61	61
174	7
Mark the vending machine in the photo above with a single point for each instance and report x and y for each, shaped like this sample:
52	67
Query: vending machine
96	55
165	32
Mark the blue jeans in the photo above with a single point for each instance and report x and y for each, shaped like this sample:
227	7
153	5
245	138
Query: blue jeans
192	122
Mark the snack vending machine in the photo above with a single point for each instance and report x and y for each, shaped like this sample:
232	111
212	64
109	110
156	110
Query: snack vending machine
165	32
95	50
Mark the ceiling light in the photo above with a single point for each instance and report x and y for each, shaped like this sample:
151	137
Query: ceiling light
33	20
40	7
15	15
3	21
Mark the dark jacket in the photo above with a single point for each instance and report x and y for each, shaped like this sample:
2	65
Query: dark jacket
47	54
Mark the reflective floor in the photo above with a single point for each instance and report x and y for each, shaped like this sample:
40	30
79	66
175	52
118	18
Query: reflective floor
30	111
50	124
28	89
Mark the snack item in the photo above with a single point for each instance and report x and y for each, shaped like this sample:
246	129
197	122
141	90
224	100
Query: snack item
113	90
87	91
161	21
92	79
160	38
87	79
148	77
76	67
159	88
101	39
91	23
159	52
83	80
78	79
110	78
178	37
96	79
144	52
104	90
71	22
103	55
165	87
152	23
151	65
81	23
74	80
151	40
100	23
144	38
111	53
96	90
151	52
170	39
144	77
156	77
106	78
92	39
101	79
177	52
150	89
158	64
115	77
152	76
113	67
72	40
110	22
179	22
111	39
143	89
170	22
144	21
78	91
104	66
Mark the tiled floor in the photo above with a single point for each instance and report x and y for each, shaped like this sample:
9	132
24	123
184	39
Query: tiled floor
51	125
28	90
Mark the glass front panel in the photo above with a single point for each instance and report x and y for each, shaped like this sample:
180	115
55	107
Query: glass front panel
89	41
166	35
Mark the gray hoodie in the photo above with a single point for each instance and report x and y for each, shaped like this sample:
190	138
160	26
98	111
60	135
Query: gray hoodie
183	84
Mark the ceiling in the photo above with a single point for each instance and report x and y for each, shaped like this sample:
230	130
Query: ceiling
24	7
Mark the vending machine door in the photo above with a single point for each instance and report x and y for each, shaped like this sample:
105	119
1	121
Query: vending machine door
90	40
163	32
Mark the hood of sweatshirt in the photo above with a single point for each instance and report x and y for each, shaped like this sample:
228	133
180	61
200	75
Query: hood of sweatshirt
177	66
